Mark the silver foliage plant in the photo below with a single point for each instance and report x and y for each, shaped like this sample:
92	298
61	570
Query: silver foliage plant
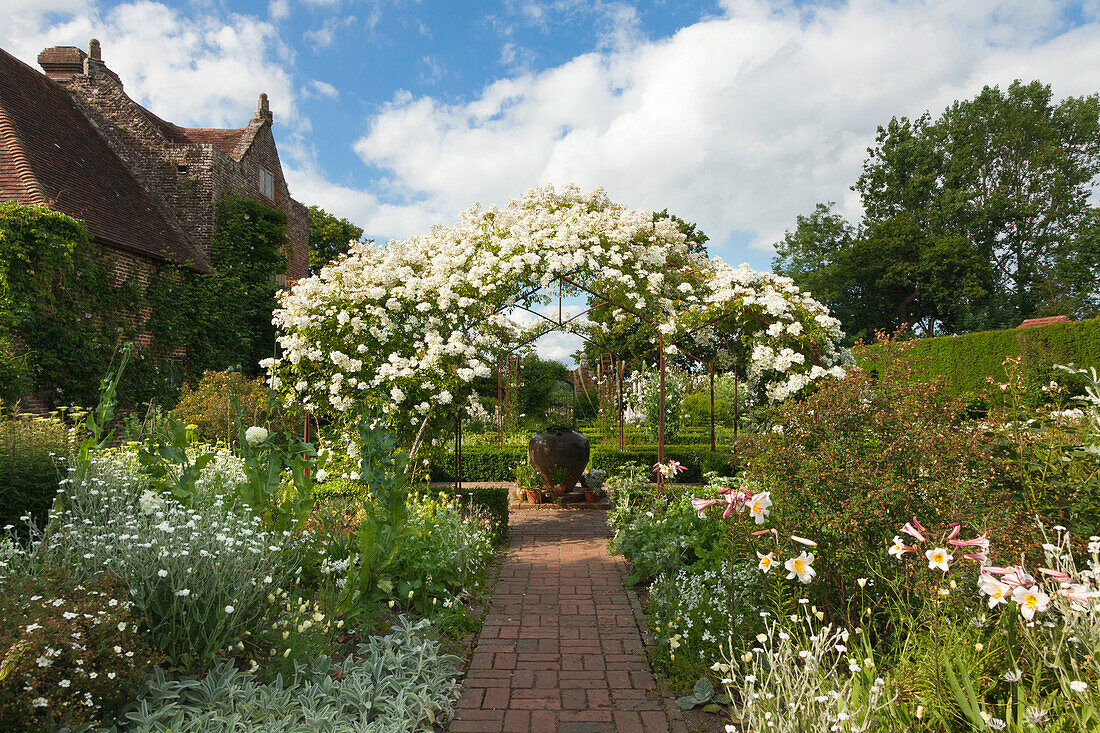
392	684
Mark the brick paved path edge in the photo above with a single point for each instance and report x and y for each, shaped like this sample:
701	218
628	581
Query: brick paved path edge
562	646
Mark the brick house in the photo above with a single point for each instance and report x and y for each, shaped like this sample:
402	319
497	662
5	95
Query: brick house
71	139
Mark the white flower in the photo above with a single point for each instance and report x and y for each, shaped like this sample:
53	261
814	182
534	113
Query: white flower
162	573
997	591
1078	686
255	435
758	506
150	502
766	561
183	592
121	627
801	567
229	609
938	559
64	683
1030	600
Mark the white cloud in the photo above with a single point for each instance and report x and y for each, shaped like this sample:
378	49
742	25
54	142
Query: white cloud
278	9
323	89
193	70
738	122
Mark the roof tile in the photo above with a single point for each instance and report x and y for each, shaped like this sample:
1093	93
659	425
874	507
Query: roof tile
51	154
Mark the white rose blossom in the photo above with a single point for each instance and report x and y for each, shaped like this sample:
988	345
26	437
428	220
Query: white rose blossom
385	321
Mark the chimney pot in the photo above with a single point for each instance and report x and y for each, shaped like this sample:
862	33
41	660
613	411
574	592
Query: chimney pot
62	62
94	50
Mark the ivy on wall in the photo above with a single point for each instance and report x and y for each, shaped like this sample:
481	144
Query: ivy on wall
62	314
223	318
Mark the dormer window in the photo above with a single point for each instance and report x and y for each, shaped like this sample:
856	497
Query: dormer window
267	184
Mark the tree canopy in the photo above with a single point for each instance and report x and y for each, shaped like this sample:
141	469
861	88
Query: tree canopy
329	238
977	219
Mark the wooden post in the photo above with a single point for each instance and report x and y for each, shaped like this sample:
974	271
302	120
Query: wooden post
712	405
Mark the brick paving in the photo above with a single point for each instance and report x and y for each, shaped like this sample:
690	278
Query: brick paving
561	650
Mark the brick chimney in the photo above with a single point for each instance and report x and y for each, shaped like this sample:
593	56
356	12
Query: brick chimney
62	62
263	110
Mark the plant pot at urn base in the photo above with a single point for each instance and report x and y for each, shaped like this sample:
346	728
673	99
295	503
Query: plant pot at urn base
559	456
533	497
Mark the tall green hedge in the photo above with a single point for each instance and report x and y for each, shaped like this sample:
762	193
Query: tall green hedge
490	463
967	361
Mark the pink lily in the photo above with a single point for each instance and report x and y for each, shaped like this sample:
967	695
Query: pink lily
955	528
912	532
731	502
1057	575
1017	576
981	542
979	557
804	541
700	505
759	532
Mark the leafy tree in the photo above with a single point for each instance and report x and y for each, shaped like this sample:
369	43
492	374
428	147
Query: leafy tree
977	219
329	237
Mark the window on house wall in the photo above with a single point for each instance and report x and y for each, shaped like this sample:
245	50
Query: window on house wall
267	184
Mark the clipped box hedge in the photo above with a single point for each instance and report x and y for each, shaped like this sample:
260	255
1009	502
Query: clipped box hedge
967	361
495	503
491	463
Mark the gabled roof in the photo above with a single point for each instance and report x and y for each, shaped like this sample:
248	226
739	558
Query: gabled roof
52	155
234	142
1044	321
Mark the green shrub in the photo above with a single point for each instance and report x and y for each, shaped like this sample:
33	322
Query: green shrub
15	370
201	577
29	451
491	463
400	682
443	554
967	361
494	502
852	463
207	405
77	650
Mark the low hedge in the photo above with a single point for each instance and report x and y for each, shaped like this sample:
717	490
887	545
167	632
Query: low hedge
493	501
491	463
966	361
495	504
30	471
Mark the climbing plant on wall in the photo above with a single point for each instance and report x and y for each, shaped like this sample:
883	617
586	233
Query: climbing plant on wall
61	312
223	318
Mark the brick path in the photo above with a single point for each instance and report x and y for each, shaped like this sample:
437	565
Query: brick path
561	648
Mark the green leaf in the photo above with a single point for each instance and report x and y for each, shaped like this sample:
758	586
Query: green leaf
704	690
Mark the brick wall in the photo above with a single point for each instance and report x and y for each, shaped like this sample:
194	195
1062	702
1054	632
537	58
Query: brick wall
187	178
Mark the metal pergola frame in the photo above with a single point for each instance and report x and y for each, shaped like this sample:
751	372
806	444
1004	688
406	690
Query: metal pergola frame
561	323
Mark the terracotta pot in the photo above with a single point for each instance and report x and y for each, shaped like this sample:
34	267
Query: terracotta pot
591	497
533	497
559	448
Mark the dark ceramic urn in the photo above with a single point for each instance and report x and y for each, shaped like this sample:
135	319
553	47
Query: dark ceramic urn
559	448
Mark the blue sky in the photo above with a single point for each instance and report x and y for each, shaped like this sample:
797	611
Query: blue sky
735	114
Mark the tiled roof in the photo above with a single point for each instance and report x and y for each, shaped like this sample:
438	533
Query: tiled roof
1044	321
233	142
51	154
